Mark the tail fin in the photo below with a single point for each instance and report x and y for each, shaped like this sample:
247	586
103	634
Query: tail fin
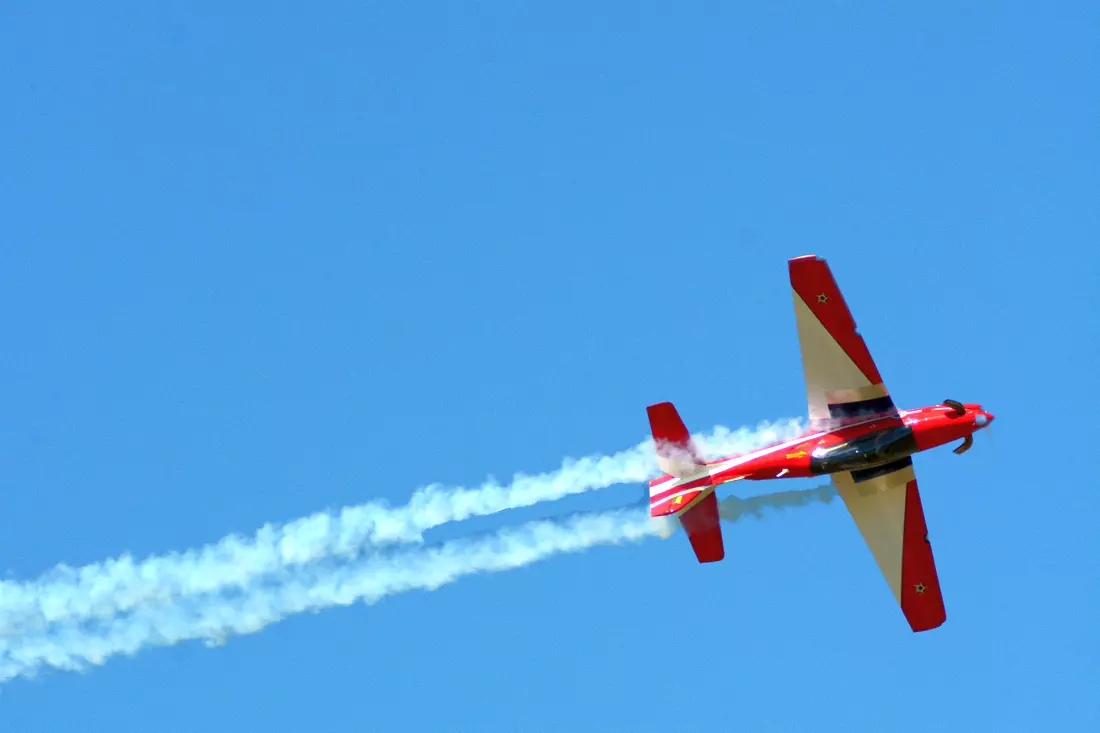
692	500
676	452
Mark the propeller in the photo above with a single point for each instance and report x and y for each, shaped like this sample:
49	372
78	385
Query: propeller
987	428
958	408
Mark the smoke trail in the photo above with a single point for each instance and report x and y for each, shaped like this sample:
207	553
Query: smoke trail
215	617
101	590
732	508
370	580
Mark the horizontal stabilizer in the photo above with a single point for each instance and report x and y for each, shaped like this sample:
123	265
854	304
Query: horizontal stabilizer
687	489
703	528
676	452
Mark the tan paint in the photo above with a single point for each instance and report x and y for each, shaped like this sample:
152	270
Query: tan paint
870	392
826	366
878	508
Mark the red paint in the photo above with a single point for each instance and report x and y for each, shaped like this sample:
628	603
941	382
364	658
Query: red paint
811	277
932	426
935	426
668	428
921	598
660	480
703	529
700	484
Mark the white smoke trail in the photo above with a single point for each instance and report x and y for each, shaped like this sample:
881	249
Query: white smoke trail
369	580
732	508
102	590
75	647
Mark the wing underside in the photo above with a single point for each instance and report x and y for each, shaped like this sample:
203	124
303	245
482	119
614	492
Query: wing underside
886	506
843	384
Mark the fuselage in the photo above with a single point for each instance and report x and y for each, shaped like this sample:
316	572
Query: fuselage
858	446
867	447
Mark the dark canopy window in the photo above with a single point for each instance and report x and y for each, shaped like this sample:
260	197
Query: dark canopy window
879	447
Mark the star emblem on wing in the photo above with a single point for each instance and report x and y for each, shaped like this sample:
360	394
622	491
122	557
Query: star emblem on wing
822	298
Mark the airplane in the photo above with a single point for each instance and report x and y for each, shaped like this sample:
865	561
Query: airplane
857	437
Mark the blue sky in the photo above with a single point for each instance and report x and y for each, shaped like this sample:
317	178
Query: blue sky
259	261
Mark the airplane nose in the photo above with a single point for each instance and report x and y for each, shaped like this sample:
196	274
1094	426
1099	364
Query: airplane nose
983	418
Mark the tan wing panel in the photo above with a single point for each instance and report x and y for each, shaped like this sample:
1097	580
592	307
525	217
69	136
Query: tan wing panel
887	509
842	382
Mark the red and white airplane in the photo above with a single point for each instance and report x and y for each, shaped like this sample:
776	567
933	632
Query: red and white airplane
857	437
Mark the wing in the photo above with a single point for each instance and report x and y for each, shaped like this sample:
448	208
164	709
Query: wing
842	382
886	506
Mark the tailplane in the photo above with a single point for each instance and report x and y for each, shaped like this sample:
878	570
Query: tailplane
676	452
686	491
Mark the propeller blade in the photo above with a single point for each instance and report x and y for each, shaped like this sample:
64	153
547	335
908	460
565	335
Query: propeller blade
956	406
967	442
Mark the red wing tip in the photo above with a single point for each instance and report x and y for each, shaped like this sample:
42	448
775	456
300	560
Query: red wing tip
804	258
928	625
713	557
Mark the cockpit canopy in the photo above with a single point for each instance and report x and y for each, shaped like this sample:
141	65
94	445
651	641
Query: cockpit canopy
873	449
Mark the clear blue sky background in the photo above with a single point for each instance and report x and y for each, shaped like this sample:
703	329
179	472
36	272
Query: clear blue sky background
258	260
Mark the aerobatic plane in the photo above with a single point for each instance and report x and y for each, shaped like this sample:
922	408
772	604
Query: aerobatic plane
857	437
